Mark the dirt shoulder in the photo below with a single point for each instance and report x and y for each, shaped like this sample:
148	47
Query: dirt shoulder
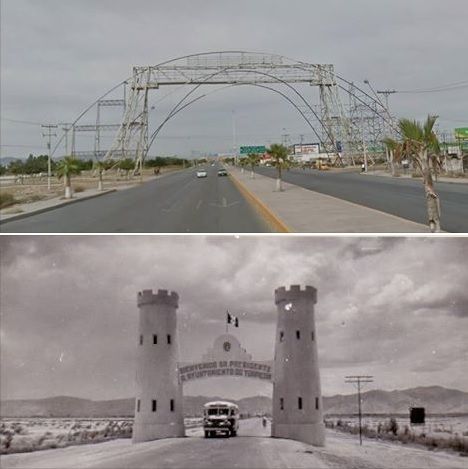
16	195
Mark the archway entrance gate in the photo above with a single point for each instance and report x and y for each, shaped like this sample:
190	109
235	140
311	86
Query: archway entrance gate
294	372
341	132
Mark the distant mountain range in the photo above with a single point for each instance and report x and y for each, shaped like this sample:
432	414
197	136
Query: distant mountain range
436	400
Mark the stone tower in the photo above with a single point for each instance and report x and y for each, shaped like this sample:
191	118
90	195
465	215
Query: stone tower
297	400
158	406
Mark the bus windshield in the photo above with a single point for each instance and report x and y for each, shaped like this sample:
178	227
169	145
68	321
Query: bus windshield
222	411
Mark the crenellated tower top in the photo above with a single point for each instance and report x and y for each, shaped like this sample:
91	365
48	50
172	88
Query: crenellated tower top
146	297
295	293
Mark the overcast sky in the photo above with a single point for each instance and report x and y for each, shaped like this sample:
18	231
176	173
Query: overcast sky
59	56
395	308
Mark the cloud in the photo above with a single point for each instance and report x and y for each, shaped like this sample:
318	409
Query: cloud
69	315
53	66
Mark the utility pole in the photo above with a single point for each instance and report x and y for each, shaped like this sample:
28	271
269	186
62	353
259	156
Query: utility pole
234	143
386	93
49	134
364	146
359	379
66	127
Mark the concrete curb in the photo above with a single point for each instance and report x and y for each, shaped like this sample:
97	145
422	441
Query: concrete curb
53	207
265	211
419	179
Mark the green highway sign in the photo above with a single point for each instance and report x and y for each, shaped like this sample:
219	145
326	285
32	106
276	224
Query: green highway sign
257	149
461	133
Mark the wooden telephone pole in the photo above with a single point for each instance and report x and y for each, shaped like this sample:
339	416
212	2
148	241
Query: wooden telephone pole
359	379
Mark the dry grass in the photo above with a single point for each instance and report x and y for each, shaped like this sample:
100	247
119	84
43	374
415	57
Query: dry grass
33	435
35	188
7	199
390	431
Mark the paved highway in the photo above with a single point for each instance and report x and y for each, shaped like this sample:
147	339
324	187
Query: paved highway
398	196
178	203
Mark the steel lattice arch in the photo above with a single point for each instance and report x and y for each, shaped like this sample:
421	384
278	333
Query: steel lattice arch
344	129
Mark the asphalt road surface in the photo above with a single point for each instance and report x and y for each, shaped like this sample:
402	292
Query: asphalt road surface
400	197
177	203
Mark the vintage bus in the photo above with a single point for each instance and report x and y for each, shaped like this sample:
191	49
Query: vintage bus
220	417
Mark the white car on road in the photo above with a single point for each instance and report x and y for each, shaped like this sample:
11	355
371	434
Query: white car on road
201	173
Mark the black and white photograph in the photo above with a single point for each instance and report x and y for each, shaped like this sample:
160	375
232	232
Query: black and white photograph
182	351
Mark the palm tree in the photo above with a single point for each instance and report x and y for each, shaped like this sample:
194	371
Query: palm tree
279	155
420	145
392	148
252	160
66	168
99	167
243	162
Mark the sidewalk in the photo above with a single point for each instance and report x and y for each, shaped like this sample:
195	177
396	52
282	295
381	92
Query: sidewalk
303	211
18	211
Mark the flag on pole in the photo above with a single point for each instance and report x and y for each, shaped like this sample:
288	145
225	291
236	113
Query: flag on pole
231	319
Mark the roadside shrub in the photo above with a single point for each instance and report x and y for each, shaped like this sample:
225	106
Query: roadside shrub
389	431
78	189
392	426
7	199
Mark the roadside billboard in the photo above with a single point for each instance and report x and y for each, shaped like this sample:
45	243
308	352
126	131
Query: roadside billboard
307	149
461	133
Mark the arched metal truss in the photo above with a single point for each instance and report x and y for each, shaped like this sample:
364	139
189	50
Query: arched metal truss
342	130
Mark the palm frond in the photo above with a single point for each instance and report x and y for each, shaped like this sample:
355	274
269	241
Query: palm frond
429	126
390	143
411	130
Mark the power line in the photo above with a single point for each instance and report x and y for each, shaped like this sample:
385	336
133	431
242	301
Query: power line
453	120
437	89
359	379
20	122
18	146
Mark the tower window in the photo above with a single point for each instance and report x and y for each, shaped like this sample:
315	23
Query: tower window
312	335
168	338
153	405
299	403
316	403
281	403
298	335
155	339
138	405
172	405
281	336
141	339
